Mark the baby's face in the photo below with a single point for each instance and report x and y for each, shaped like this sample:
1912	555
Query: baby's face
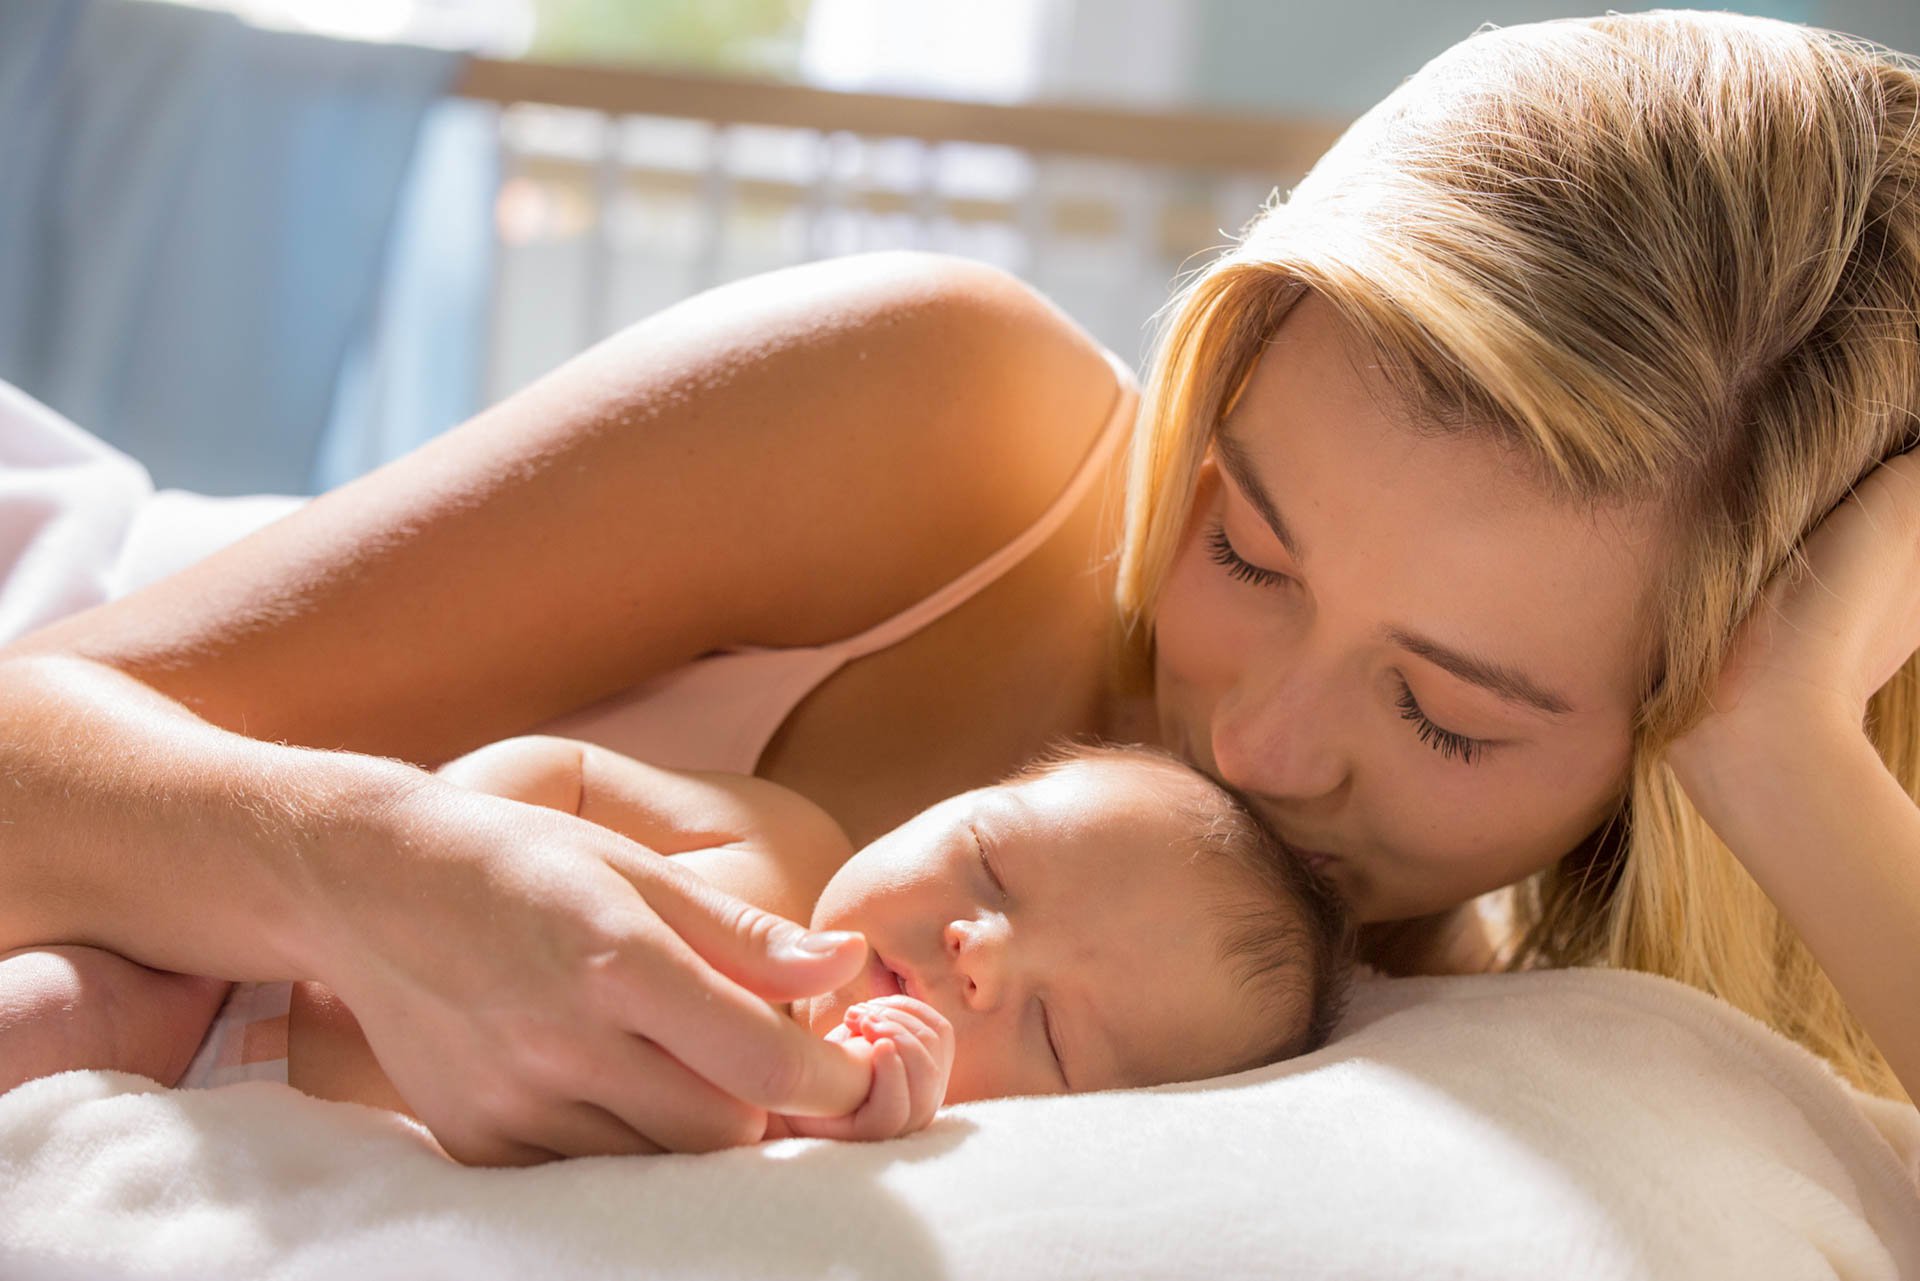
1061	924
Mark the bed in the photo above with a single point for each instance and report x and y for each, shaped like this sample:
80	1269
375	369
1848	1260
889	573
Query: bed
1582	1124
1572	1124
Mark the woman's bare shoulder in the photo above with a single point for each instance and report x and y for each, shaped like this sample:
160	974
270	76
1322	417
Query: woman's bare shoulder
780	461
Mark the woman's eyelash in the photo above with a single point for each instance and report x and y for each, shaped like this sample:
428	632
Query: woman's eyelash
1223	555
1443	741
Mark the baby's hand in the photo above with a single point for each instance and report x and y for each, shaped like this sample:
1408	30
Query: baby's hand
910	1045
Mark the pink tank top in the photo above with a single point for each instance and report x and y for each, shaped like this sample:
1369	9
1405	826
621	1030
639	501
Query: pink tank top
720	711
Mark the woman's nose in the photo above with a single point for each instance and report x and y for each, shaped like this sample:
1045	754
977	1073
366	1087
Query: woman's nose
977	951
1281	736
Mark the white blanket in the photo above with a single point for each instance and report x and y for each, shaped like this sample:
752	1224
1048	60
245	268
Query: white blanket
1574	1124
80	522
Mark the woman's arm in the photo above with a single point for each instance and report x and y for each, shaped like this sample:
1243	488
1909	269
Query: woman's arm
1783	770
176	790
1805	802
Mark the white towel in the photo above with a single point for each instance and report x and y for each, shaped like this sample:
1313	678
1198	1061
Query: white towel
1576	1124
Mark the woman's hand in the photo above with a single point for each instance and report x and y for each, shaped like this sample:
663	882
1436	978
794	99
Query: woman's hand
909	1045
535	985
1784	774
1826	636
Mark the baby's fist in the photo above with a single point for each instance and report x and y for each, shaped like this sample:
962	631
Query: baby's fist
911	1051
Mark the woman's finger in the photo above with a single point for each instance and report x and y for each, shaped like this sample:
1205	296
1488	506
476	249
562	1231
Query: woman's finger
581	1129
492	1150
679	994
660	1100
768	955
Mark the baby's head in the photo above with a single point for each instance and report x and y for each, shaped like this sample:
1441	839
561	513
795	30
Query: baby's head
1106	917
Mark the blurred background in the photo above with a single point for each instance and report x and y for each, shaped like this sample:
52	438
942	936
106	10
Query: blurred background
267	245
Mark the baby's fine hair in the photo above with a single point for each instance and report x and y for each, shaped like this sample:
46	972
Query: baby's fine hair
1288	936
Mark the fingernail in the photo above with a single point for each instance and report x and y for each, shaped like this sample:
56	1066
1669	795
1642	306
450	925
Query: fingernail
814	945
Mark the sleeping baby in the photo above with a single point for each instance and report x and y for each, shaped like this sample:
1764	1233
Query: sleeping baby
1105	917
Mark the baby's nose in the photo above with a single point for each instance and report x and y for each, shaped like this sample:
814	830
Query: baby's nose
975	949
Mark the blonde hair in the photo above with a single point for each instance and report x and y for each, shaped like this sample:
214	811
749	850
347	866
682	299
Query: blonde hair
1661	256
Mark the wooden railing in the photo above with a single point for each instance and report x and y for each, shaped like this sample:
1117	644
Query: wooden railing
1107	204
1202	140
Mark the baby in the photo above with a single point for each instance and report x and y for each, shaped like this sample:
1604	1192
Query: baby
1105	917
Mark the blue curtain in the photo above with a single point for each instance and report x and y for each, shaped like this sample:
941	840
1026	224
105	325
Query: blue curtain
419	368
194	215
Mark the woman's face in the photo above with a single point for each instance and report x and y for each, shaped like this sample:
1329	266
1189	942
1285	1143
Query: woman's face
1300	673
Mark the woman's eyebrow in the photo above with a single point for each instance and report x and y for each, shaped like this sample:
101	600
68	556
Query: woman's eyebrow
1510	684
1234	458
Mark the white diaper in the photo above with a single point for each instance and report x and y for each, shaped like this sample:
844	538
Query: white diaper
248	1039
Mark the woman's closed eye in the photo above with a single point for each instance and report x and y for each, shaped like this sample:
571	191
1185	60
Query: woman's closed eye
1449	744
1443	741
1222	553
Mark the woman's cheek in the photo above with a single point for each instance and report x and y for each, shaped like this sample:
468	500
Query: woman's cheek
1197	632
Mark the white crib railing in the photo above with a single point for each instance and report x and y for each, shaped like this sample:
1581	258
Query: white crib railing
625	190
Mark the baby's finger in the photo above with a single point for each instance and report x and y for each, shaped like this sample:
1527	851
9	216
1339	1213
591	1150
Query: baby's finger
927	1070
872	1013
886	1110
919	1017
929	1060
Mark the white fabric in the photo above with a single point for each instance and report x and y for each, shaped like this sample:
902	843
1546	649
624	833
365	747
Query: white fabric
80	521
67	502
1575	1124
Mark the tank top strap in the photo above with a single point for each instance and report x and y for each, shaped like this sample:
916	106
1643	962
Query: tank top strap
719	711
918	615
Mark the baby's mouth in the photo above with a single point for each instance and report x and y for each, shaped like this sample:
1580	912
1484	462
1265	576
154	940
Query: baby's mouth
881	980
902	984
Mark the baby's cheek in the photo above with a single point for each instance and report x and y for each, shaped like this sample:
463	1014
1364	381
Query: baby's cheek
972	1079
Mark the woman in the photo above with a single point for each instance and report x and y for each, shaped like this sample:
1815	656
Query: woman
1521	400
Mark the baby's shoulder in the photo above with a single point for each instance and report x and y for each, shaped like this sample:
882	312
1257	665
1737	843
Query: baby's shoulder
771	814
781	850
